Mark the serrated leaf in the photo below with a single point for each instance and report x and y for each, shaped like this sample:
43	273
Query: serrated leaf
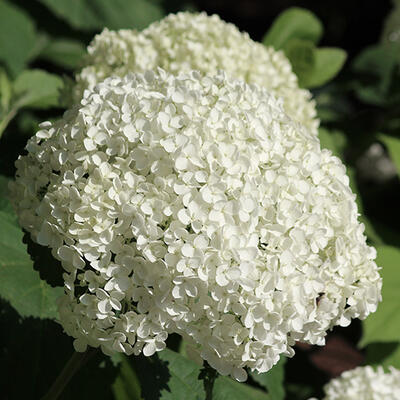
116	14
294	23
36	88
393	146
384	324
273	380
66	53
17	36
328	63
20	284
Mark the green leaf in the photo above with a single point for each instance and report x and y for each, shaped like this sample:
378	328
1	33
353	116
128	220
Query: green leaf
17	36
328	63
294	23
273	380
378	74
393	146
66	53
37	89
170	376
333	140
116	14
127	385
20	284
301	54
5	91
385	354
227	389
384	324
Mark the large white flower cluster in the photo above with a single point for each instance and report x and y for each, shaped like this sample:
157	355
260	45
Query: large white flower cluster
185	41
195	205
364	383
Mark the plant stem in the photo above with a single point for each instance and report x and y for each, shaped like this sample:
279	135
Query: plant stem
72	366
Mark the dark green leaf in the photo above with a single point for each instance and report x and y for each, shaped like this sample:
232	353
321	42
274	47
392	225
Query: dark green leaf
20	284
127	385
294	23
17	36
64	52
170	376
116	14
333	140
384	324
385	354
273	380
37	89
378	74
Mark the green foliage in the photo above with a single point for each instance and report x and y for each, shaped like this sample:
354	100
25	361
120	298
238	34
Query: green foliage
384	325
20	284
37	89
297	31
15	24
293	23
385	354
378	73
170	376
273	380
93	15
66	53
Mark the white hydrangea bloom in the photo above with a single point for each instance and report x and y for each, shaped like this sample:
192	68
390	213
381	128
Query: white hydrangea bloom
185	41
194	205
363	383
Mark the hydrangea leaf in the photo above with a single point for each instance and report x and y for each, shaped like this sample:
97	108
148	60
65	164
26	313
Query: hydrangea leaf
37	89
170	376
66	53
15	24
377	71
273	380
384	324
127	385
20	284
293	23
5	91
393	145
328	63
118	14
385	354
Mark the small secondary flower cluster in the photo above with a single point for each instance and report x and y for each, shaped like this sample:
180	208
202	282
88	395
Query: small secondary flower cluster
193	204
183	42
364	383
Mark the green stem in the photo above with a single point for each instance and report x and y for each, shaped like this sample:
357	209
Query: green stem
72	366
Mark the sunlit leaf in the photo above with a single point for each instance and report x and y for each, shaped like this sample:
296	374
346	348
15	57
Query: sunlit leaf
293	23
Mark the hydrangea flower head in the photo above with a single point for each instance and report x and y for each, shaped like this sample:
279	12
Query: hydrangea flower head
193	204
186	41
365	383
